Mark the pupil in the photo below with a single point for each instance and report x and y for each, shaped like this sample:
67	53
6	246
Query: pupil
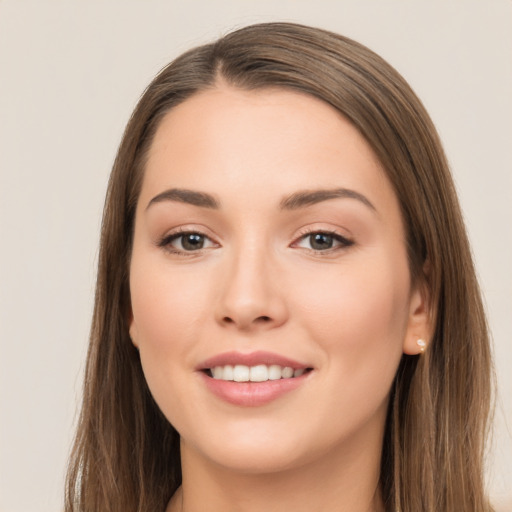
192	241
321	241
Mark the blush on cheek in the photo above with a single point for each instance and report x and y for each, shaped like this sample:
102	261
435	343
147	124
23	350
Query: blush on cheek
159	297
357	310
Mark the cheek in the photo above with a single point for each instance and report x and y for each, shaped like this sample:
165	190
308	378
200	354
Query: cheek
358	313
357	317
168	309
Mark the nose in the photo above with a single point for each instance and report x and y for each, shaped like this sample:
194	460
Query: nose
251	297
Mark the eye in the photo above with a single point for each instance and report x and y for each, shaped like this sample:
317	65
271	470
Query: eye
323	241
186	241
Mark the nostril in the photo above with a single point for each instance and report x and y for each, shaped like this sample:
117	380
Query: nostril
244	323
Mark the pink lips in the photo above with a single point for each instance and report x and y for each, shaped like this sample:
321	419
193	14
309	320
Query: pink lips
252	359
251	394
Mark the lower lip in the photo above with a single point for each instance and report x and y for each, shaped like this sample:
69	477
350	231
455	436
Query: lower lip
252	394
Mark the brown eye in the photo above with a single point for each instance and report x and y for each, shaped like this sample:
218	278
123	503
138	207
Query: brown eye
322	241
186	242
192	241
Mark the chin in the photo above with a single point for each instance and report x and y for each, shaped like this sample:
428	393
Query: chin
256	448
256	460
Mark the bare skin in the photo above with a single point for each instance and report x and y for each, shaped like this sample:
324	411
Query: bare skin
262	264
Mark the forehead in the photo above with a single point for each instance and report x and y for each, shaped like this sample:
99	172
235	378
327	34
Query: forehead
227	139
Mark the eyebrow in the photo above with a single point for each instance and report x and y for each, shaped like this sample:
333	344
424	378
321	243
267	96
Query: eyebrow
305	198
181	195
294	201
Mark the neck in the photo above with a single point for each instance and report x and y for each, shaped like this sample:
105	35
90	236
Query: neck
344	480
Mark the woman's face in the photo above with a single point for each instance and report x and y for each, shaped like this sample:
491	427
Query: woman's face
267	236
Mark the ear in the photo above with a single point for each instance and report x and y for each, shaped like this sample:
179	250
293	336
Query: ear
419	324
132	330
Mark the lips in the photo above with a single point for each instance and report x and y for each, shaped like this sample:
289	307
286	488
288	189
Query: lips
252	379
251	359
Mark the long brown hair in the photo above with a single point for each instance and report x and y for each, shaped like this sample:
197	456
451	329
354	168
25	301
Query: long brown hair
126	455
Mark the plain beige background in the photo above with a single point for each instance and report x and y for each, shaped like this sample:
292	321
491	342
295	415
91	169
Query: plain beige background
70	74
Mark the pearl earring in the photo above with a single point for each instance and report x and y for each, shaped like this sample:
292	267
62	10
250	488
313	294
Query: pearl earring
422	344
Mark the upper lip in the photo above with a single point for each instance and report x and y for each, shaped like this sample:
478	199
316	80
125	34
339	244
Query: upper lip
250	359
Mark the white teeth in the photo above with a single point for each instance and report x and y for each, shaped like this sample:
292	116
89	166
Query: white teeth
287	372
274	372
259	373
218	372
228	372
240	373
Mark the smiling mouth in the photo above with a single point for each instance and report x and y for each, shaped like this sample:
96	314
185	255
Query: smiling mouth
258	373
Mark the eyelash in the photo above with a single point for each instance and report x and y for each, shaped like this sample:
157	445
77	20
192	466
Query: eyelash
166	241
344	242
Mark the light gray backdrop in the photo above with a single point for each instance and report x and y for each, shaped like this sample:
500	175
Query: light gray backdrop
70	74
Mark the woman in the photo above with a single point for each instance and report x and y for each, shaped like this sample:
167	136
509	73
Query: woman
287	314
